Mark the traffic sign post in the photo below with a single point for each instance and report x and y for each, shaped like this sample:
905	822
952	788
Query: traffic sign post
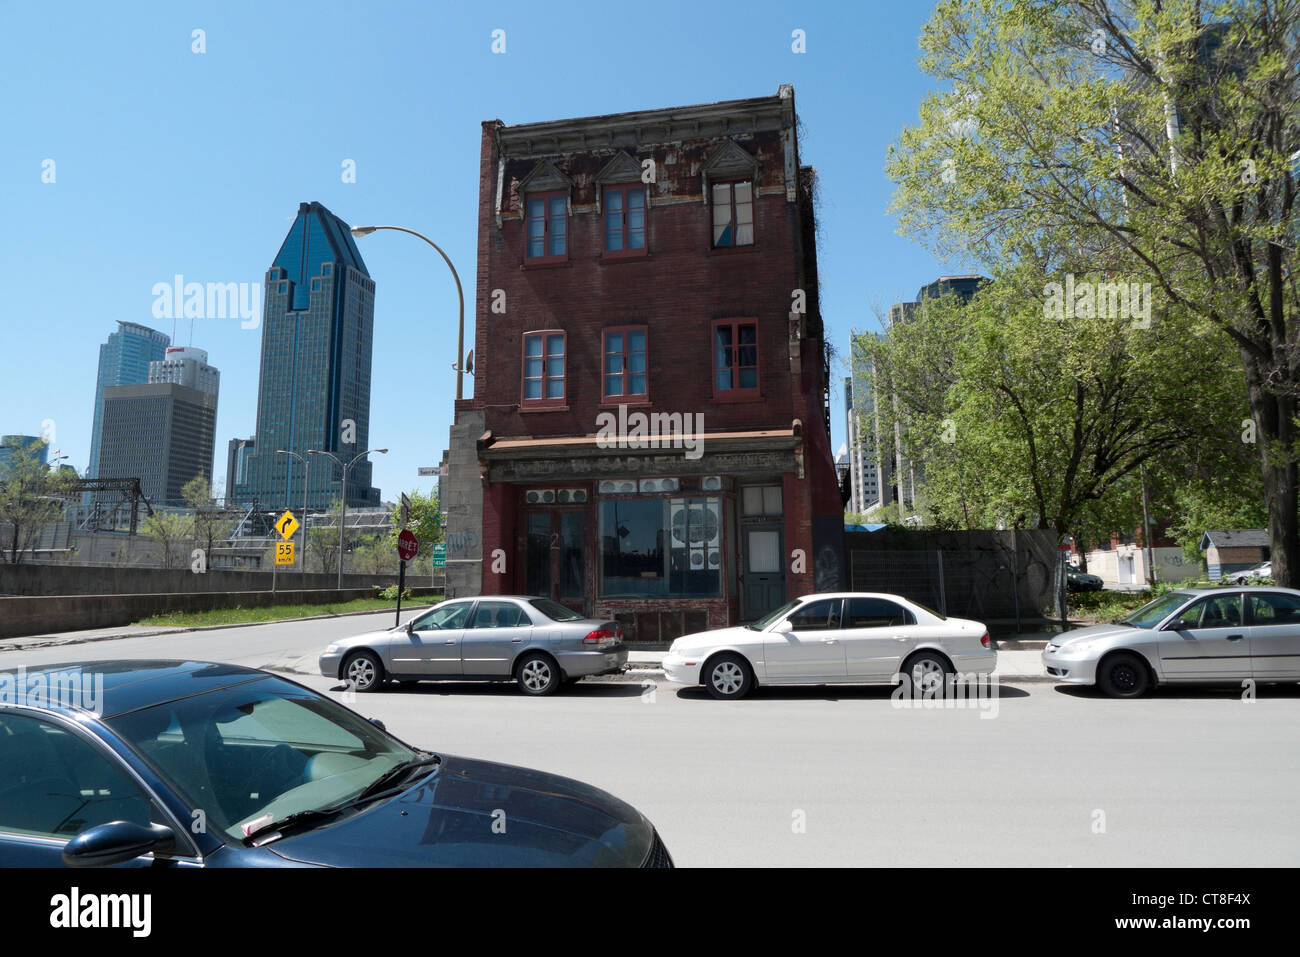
407	548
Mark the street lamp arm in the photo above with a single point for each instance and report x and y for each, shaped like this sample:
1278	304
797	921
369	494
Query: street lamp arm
460	295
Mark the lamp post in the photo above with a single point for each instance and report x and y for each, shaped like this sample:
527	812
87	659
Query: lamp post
343	493
306	473
460	294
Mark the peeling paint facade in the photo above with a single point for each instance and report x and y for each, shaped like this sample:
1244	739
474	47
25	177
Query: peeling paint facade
649	420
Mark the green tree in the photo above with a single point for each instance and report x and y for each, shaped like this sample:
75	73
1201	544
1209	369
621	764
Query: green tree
425	521
1149	138
1021	419
323	540
173	531
31	498
211	523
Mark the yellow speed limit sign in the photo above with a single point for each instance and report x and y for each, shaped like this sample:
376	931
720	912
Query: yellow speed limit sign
284	553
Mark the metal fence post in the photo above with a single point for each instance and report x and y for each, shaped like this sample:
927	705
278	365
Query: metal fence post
1015	578
943	597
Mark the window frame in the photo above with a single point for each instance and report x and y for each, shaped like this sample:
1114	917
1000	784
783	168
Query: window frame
547	257
735	393
543	402
731	183
625	397
186	848
625	252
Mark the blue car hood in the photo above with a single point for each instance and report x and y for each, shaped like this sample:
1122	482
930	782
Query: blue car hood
471	813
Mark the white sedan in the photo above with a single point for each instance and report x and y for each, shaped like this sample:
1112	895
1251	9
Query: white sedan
841	638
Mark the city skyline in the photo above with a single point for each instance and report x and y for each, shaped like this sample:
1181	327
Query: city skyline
389	147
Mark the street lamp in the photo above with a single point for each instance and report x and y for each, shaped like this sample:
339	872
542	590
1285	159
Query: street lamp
306	473
343	493
359	231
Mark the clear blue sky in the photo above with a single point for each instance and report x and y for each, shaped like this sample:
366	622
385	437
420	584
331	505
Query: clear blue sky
168	161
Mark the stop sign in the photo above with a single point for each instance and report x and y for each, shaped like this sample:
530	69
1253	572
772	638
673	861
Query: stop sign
407	546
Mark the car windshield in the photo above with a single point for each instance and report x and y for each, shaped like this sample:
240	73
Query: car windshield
260	752
1154	612
554	610
772	616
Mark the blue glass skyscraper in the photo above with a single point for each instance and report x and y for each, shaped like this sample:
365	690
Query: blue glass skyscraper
123	360
314	384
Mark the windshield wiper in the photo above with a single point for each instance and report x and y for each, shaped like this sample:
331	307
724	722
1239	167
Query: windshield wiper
385	780
380	785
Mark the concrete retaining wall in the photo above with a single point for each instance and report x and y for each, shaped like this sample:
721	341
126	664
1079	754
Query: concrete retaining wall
102	580
23	616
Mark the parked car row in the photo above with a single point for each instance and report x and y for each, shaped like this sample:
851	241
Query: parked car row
286	777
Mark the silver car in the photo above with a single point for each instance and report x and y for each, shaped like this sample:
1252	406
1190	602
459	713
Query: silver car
1186	636
534	641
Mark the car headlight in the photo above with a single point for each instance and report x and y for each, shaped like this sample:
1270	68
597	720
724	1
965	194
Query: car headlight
334	649
1077	647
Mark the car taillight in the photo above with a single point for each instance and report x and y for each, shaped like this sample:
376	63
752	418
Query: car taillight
601	637
985	640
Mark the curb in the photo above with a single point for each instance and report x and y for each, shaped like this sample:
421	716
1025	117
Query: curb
54	641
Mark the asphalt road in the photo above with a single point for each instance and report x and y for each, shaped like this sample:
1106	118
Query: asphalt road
843	776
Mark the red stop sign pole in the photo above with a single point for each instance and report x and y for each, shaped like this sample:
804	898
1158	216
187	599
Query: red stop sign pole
407	548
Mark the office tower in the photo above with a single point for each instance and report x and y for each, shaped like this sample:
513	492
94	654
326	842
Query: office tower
123	360
159	432
187	366
314	383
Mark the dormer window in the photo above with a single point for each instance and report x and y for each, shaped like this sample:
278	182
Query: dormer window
625	220
544	194
546	224
733	214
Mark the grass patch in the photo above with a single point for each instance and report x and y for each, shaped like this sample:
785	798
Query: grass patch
239	616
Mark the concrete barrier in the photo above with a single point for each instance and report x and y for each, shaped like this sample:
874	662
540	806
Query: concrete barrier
41	579
27	615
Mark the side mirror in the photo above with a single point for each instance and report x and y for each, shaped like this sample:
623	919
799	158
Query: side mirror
378	724
410	627
1180	624
783	627
116	843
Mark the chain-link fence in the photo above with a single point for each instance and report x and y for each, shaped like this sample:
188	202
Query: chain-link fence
987	575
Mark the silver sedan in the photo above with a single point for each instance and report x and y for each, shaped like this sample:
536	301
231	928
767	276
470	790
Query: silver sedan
1186	636
534	641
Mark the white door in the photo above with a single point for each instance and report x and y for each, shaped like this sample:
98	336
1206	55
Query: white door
813	648
877	634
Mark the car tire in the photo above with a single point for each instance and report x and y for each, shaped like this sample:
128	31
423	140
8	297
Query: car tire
929	670
537	674
728	677
1124	675
363	671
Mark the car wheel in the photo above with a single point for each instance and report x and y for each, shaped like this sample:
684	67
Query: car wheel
925	675
728	677
537	675
1124	676
364	671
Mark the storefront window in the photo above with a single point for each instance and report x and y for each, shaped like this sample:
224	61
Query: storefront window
661	548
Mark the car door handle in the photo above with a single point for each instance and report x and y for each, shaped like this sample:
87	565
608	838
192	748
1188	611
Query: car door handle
450	641
1236	637
516	640
900	637
830	641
